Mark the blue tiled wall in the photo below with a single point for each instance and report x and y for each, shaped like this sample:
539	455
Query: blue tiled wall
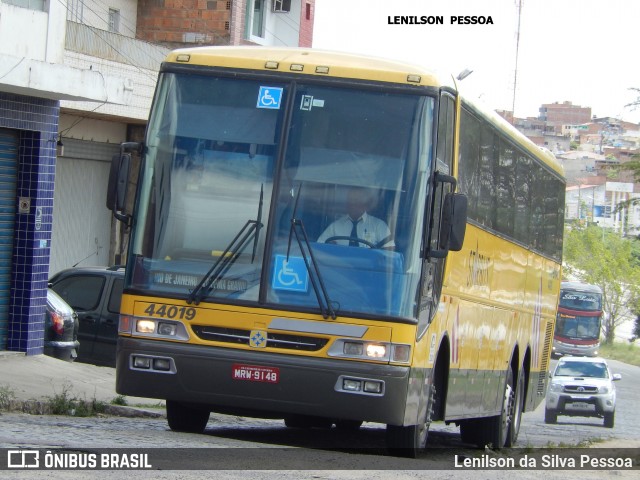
36	121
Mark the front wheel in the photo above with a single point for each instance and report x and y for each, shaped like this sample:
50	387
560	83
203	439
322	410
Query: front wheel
410	440
406	441
183	418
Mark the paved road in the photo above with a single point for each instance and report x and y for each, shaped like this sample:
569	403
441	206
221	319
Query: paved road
254	443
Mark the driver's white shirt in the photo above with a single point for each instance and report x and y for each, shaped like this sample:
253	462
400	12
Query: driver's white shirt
370	228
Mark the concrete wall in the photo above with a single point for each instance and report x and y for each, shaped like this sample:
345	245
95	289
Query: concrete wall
96	14
14	22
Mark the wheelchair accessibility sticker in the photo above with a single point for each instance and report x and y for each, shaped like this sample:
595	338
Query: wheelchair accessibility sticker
269	97
290	274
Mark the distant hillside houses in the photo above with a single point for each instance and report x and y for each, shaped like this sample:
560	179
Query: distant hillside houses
593	151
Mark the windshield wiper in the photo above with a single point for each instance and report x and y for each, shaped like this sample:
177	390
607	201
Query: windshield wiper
250	230
297	229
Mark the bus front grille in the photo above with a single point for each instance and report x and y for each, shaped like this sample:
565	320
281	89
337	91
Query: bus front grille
274	340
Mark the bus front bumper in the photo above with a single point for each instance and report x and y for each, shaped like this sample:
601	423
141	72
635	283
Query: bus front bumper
261	384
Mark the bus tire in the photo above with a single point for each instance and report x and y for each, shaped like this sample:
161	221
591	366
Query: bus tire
183	418
516	410
406	441
469	431
493	431
307	421
348	425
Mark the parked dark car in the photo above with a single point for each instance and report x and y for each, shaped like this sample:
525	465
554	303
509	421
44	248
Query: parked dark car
60	329
95	294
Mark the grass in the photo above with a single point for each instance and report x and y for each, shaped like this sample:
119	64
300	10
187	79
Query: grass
7	396
624	352
64	404
120	400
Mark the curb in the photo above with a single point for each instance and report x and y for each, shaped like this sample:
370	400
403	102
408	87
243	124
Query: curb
37	407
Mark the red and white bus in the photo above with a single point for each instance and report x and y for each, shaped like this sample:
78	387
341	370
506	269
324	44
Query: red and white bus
579	320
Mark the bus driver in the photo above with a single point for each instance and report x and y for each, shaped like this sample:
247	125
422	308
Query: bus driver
358	225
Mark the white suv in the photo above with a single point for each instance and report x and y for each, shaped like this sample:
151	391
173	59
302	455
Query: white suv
583	387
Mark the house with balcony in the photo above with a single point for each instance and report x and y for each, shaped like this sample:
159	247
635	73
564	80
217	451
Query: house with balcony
71	91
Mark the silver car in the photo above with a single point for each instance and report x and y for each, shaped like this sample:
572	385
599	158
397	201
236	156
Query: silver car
583	387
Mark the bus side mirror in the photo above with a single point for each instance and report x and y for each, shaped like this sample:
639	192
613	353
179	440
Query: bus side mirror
454	222
453	226
118	183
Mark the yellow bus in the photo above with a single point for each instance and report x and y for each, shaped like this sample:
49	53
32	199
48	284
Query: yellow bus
250	289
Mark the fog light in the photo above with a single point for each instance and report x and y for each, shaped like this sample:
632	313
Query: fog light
142	362
163	364
145	326
351	385
376	351
352	348
167	329
372	387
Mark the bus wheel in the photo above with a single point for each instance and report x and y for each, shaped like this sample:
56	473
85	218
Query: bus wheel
493	431
306	421
348	425
516	415
410	440
502	423
406	441
182	418
469	431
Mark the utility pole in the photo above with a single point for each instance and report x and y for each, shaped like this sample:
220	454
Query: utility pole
515	71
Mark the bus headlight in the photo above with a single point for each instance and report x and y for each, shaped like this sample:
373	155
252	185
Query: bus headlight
355	349
160	328
377	351
145	326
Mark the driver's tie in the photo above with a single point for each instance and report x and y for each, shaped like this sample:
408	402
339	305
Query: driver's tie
354	233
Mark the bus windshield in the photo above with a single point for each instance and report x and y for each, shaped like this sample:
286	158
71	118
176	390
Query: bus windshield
228	212
578	327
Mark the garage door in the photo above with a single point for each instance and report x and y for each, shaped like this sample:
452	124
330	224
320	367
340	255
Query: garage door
8	175
81	222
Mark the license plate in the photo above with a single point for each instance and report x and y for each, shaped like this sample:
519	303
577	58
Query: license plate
579	406
254	373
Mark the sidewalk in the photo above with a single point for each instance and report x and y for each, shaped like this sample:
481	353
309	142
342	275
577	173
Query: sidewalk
38	378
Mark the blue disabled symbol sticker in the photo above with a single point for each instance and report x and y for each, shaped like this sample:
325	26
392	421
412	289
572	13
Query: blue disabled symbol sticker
290	274
269	97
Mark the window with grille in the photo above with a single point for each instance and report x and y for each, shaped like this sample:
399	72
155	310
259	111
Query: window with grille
114	20
282	6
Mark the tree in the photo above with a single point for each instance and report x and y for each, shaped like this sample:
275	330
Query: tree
601	258
636	329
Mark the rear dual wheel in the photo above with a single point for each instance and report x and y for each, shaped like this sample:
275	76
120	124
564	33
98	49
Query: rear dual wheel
501	430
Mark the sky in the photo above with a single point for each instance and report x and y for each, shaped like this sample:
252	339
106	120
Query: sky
582	51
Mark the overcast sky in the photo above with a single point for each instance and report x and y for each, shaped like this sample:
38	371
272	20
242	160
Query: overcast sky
583	51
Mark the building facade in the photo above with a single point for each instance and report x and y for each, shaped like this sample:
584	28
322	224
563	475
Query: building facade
71	91
33	82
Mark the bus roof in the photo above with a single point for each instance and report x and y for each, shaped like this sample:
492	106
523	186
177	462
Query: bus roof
512	132
313	62
580	287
